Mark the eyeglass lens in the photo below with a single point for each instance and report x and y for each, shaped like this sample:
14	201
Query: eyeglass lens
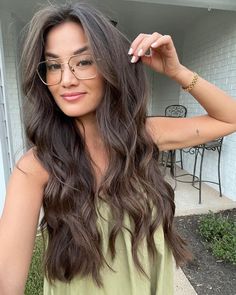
82	66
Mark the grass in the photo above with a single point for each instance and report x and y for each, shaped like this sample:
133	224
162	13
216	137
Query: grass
34	285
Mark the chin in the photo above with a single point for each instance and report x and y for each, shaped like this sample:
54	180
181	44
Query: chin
79	114
71	111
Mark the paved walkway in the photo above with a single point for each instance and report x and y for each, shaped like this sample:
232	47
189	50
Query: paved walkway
182	284
186	200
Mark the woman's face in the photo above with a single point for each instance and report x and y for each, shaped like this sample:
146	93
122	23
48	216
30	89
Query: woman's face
75	97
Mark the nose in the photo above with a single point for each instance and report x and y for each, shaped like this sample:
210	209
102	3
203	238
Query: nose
68	78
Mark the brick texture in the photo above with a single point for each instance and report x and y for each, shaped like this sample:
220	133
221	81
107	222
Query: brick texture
210	50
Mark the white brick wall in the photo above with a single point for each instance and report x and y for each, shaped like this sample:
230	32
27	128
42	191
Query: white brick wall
210	50
10	38
164	91
163	88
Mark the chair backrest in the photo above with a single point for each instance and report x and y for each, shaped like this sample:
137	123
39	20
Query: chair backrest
176	110
214	144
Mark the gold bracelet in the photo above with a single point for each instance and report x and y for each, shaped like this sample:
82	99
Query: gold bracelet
192	84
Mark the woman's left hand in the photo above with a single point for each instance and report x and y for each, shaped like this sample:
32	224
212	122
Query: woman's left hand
162	58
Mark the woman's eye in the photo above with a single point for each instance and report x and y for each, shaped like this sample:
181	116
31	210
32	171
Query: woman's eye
85	62
53	67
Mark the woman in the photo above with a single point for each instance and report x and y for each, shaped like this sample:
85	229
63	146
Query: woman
93	164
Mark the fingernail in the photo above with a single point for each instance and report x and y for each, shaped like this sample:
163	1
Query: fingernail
130	51
134	59
140	52
154	44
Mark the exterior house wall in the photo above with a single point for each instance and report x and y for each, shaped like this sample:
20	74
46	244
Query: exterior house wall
164	91
12	142
4	142
210	50
13	95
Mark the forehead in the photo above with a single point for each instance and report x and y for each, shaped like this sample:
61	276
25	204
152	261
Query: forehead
66	38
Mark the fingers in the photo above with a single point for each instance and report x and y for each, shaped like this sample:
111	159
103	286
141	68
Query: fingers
145	42
164	40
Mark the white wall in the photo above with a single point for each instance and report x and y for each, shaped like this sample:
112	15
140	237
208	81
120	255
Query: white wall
10	39
164	91
210	50
11	96
2	180
218	4
163	88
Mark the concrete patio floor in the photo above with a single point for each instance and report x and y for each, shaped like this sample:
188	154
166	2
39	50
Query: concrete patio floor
186	197
186	200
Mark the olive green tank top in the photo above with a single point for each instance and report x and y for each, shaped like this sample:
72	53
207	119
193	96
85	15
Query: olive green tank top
126	279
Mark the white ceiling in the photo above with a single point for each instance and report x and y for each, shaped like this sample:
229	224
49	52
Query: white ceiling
135	16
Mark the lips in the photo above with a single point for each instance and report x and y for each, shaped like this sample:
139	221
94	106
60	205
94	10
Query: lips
70	96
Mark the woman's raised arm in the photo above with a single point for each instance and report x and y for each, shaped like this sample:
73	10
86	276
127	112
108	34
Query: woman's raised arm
172	133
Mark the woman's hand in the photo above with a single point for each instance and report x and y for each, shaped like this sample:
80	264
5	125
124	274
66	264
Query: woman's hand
162	57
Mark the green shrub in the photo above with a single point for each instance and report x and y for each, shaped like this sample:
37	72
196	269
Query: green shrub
34	285
220	233
225	248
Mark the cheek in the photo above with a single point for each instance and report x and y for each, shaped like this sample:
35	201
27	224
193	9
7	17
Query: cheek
54	91
55	95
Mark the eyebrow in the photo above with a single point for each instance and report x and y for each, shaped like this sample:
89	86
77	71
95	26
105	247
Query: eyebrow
81	50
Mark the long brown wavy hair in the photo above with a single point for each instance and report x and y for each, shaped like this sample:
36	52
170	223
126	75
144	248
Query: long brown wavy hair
132	184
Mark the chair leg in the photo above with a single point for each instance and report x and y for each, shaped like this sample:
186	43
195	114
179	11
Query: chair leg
219	178
173	166
195	165
181	159
172	163
200	177
174	170
165	162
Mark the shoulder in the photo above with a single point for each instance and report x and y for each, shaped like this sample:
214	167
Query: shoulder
31	166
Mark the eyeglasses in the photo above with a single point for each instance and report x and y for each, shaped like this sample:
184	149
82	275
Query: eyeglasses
81	65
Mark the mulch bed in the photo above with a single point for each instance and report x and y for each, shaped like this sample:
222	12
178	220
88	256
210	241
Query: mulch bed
207	274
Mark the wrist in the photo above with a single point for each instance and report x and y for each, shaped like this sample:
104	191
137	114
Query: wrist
184	76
